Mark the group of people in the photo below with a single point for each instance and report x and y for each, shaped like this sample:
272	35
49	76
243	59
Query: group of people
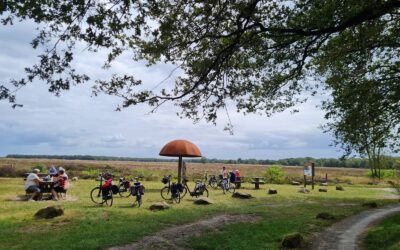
233	176
58	177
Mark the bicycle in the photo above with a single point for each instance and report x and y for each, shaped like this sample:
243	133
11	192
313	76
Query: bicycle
102	196
124	187
211	181
227	186
172	191
199	189
137	190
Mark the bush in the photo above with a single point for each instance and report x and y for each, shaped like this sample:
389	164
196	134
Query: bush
39	166
8	171
385	173
275	174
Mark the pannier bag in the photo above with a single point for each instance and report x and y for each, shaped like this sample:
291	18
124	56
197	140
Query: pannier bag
114	189
174	188
137	186
126	184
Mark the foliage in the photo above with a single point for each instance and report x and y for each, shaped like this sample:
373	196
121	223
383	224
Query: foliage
256	54
385	174
39	166
385	235
274	174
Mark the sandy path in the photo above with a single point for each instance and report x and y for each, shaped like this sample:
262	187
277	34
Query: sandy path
171	237
345	234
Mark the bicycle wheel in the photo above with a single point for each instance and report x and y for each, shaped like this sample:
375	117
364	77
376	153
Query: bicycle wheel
109	200
177	197
96	196
165	193
213	183
138	201
184	192
123	191
231	188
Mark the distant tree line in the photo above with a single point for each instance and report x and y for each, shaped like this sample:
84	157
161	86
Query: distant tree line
388	161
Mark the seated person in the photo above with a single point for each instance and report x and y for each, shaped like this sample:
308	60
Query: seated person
32	185
52	172
61	181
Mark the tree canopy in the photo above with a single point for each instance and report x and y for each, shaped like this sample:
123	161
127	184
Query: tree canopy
259	54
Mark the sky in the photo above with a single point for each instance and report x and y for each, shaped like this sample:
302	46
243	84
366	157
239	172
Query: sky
78	124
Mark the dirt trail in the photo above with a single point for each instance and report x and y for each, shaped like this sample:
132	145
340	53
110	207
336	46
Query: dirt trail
345	234
171	238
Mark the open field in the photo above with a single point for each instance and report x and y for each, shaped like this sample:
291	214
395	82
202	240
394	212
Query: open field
155	170
86	226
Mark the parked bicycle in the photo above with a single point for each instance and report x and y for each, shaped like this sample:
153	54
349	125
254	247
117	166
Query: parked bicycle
137	190
124	187
199	189
172	191
227	186
211	181
103	194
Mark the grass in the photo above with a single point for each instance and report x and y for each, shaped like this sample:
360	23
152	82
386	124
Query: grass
385	235
86	226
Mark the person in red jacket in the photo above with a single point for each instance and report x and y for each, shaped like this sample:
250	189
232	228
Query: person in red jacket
106	187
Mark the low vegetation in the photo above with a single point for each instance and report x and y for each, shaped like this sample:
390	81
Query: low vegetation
385	235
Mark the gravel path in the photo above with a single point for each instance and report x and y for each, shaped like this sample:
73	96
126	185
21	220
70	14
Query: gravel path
345	234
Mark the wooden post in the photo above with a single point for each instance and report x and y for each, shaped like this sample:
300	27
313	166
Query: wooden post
326	177
312	174
305	181
180	169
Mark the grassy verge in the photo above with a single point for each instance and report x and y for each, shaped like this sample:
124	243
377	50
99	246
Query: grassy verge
86	226
385	235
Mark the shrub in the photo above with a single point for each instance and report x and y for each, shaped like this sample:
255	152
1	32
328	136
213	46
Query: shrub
275	174
8	171
39	166
385	173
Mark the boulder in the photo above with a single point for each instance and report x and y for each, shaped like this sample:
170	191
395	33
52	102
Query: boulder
325	216
293	241
203	201
74	178
323	190
303	190
296	183
324	184
159	206
339	188
371	204
50	212
241	195
272	191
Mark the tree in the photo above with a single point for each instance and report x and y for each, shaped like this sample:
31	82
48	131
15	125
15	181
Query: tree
361	118
256	54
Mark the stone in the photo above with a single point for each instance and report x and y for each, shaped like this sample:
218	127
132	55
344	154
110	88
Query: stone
325	216
371	204
293	241
272	191
296	183
339	188
75	178
324	184
50	212
241	195
323	190
159	206
203	201
303	190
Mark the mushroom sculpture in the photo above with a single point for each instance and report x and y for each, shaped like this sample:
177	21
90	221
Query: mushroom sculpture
180	148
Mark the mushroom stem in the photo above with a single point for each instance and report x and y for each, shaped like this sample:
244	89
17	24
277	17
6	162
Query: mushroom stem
180	169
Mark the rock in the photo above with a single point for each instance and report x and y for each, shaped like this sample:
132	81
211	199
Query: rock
323	190
325	216
50	212
241	195
349	183
296	183
340	188
272	191
74	178
159	206
203	201
303	190
372	204
324	184
293	241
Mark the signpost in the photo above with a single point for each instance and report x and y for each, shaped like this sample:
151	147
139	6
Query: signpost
309	170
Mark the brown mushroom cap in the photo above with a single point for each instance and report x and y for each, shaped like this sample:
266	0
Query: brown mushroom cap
182	148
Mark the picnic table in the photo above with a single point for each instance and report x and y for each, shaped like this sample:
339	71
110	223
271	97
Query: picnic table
257	181
46	186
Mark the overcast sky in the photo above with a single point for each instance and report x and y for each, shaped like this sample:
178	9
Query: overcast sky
76	123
